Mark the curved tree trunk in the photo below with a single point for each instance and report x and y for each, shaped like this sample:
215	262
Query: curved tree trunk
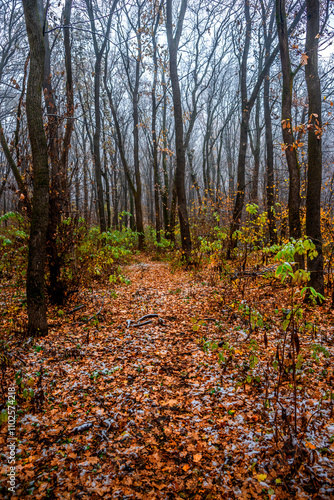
37	321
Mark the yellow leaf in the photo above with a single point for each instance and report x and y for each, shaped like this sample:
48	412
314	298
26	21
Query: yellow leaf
310	445
261	477
185	467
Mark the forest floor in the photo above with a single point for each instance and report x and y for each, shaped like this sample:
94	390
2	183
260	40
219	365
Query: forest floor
180	408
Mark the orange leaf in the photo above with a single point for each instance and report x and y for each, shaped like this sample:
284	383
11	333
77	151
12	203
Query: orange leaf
303	60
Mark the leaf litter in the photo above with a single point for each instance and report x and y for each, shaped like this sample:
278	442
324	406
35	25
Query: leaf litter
184	406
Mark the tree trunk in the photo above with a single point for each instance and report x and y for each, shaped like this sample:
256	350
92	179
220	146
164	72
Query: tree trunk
37	320
269	161
69	107
96	145
288	138
268	37
173	43
314	172
137	194
165	191
246	110
256	150
157	187
99	51
245	115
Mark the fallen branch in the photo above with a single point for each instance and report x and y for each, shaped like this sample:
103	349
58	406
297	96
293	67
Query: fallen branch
141	321
148	316
137	325
76	309
94	315
81	428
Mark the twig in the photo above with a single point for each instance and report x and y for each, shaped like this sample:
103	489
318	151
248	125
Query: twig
141	321
147	316
95	314
81	428
137	325
76	309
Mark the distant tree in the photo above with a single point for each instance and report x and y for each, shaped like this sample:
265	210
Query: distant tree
99	49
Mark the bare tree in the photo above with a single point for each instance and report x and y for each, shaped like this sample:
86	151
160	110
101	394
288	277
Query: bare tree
99	50
173	44
287	127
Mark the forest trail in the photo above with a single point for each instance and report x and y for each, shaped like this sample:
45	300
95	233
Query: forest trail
145	412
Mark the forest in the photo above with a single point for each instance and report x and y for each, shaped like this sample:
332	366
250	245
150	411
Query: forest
167	249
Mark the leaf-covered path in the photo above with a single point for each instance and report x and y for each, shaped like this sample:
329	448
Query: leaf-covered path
122	411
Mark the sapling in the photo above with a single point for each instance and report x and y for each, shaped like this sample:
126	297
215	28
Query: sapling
287	272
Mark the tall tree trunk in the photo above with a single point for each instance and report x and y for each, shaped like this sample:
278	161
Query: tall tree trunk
268	37
99	51
37	320
245	110
59	193
269	161
96	145
69	108
173	43
193	177
314	172
256	150
288	138
172	218
165	191
229	159
135	98
157	187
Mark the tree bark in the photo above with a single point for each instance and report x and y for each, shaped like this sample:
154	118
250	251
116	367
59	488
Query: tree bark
245	115
288	138
157	187
314	172
99	51
256	150
246	110
37	320
138	192
69	106
165	191
173	43
268	37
